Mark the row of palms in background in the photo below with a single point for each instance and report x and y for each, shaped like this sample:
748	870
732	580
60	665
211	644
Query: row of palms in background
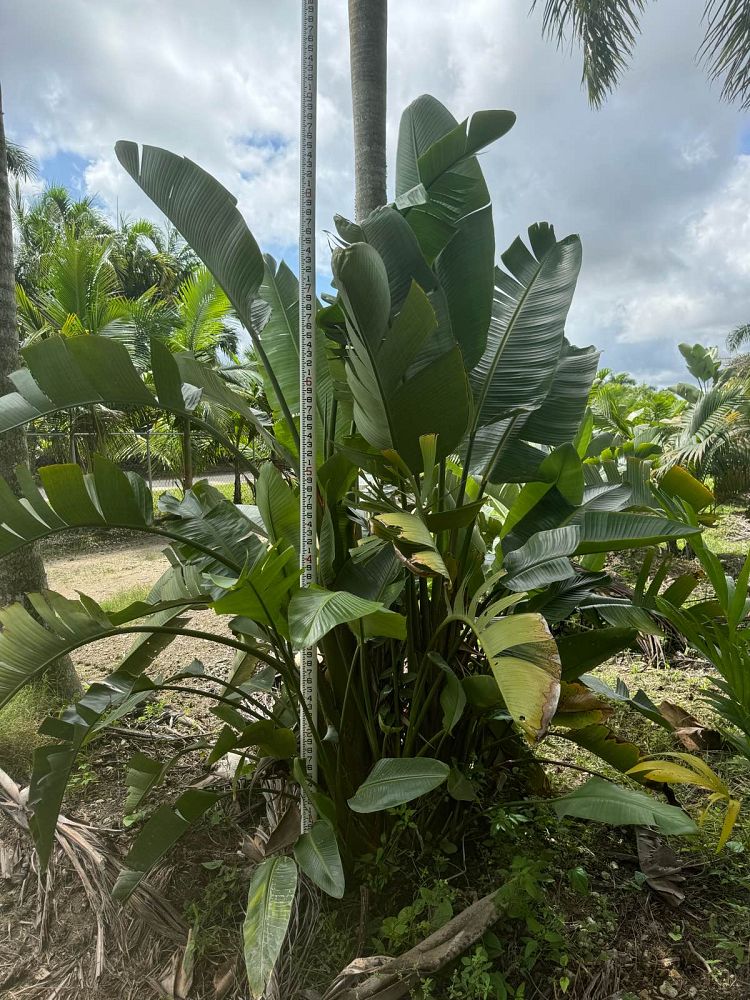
77	274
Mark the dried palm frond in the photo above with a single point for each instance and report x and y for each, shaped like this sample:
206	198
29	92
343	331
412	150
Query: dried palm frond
83	850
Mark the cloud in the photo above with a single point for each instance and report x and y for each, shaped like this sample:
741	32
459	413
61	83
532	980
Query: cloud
655	182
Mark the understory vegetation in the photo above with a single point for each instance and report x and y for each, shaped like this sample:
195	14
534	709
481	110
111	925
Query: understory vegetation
532	721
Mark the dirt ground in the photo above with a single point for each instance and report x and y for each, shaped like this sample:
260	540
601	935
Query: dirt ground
103	573
52	948
118	575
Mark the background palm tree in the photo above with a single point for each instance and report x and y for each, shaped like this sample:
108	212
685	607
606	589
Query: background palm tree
738	345
202	319
22	572
21	164
77	290
368	48
713	438
199	320
41	222
607	31
147	256
202	311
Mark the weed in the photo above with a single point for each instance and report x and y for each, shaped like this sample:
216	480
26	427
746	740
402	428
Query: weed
477	978
376	870
430	910
153	709
82	777
216	914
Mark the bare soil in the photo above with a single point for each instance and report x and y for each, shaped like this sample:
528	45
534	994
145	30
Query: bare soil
109	573
643	950
104	573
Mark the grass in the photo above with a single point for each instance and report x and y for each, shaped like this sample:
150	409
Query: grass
19	723
129	595
21	717
731	533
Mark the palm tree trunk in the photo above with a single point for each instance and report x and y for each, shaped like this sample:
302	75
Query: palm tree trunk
21	572
368	47
187	456
237	481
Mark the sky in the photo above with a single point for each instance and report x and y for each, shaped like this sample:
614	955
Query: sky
657	182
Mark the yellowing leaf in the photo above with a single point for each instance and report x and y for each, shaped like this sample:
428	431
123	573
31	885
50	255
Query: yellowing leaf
730	818
526	665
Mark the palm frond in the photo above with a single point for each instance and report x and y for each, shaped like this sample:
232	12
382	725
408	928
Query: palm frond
21	163
726	47
202	313
738	338
606	31
714	435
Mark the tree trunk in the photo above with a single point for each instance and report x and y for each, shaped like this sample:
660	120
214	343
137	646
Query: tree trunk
187	456
21	572
368	47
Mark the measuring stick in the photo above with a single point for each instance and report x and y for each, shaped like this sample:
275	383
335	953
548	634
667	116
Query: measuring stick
307	310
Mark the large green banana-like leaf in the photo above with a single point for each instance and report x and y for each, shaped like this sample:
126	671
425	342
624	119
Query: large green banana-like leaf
65	372
702	362
558	501
29	643
433	145
500	453
531	387
278	506
205	523
555	493
269	908
604	802
276	318
441	190
560	600
581	652
262	591
53	764
613	531
317	854
204	520
557	420
413	539
313	612
544	557
206	215
395	780
392	407
607	745
525	341
105	700
390	234
371	571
